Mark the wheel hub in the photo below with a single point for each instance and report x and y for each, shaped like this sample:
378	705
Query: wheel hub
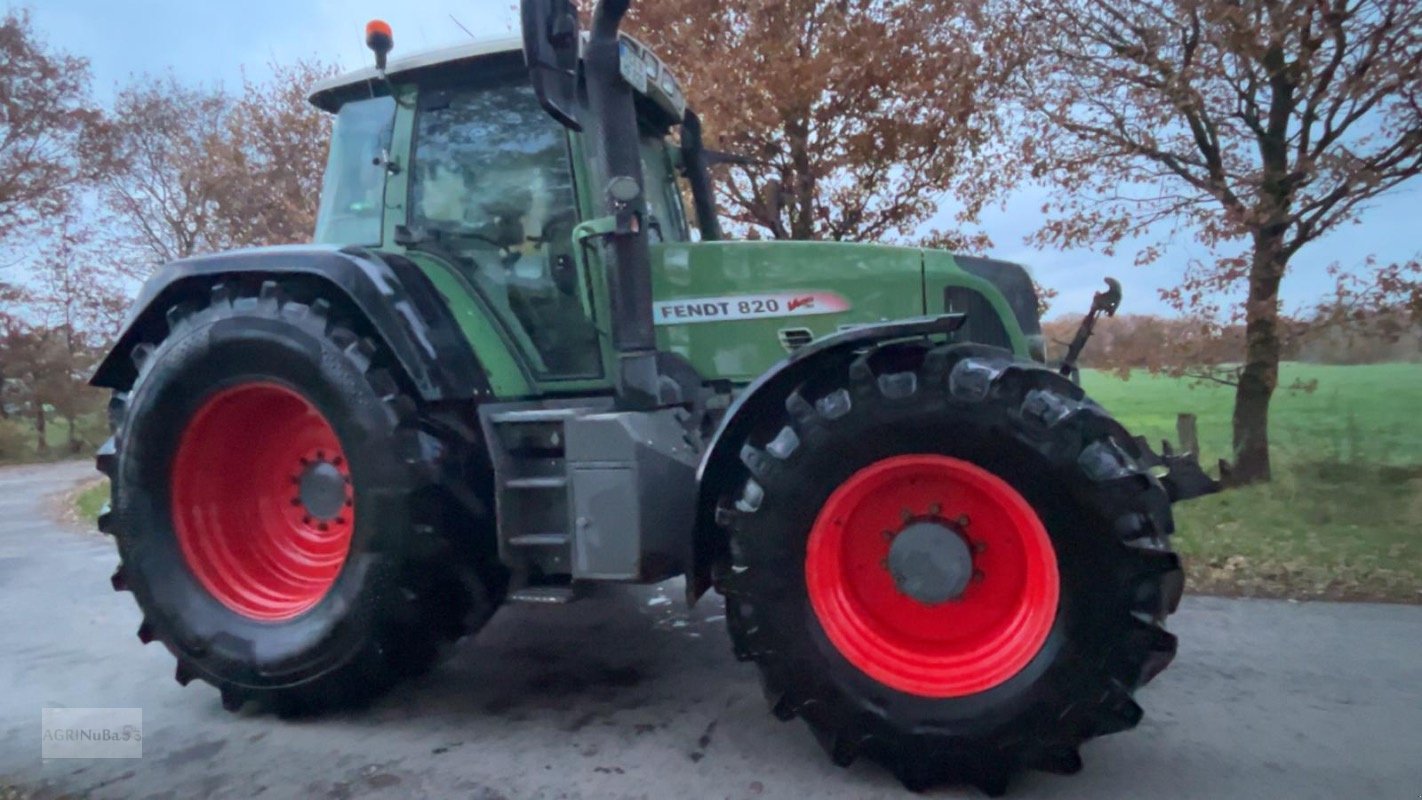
931	562
322	490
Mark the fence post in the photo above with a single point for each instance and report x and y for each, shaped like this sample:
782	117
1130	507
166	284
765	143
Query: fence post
1188	435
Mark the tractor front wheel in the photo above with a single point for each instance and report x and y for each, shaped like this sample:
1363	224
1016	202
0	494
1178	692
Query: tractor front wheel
949	561
277	509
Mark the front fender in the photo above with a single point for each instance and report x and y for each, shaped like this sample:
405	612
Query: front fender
387	291
766	395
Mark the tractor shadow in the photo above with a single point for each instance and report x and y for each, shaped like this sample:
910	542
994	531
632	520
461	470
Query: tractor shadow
623	688
620	648
605	673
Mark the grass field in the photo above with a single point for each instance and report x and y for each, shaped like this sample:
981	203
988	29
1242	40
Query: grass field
1340	519
18	440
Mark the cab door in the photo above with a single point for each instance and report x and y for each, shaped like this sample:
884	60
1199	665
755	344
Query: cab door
490	191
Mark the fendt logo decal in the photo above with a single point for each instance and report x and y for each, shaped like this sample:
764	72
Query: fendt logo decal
687	311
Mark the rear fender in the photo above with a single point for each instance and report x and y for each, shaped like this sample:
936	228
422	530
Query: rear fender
766	396
387	291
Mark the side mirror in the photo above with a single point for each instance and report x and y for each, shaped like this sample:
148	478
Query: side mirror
550	49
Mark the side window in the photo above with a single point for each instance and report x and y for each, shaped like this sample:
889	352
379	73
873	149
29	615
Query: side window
492	186
663	198
353	190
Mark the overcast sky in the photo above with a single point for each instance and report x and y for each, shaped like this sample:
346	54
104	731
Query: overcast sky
212	41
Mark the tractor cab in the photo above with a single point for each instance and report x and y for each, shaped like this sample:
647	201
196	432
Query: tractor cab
448	156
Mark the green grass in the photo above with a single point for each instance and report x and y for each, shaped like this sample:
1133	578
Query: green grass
88	503
18	439
1340	518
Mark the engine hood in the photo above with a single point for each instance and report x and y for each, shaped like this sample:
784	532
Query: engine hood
736	308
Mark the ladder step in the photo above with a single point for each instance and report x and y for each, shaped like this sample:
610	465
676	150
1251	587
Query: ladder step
546	482
540	540
544	595
534	415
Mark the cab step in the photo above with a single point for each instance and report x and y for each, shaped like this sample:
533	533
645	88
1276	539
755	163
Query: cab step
540	540
544	595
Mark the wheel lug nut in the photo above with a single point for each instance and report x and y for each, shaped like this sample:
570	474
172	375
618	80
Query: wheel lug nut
977	576
962	520
906	514
935	509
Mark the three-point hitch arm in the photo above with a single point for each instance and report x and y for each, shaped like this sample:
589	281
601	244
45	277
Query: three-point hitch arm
1102	302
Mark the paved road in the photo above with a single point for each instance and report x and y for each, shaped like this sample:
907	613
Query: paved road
628	695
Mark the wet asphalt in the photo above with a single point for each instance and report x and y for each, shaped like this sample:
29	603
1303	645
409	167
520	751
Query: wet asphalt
629	695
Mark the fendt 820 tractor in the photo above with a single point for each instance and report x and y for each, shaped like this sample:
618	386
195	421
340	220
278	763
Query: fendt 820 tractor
507	369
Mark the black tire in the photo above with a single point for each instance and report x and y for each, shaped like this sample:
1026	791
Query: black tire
413	582
1107	518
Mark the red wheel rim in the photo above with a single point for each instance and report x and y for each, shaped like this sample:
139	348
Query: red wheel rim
240	506
949	649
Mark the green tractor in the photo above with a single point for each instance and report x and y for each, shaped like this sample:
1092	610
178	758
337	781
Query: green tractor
507	370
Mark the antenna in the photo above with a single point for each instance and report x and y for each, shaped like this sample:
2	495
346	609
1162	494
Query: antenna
462	28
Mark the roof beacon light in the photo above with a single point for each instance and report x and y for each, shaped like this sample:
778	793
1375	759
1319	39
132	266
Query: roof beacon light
380	39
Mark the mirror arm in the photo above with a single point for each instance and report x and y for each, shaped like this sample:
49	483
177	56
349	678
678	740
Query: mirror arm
607	18
698	175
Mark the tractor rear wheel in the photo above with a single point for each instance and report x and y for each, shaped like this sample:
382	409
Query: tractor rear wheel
277	507
949	561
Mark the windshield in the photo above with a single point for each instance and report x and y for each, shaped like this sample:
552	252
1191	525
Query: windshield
353	191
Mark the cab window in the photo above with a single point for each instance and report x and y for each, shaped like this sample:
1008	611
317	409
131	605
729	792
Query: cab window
492	189
353	190
667	222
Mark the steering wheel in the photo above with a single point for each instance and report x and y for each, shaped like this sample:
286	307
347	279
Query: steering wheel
507	255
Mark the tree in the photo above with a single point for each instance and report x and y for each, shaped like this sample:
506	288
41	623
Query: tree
1258	126
862	112
79	304
276	158
11	298
168	144
45	124
201	170
26	351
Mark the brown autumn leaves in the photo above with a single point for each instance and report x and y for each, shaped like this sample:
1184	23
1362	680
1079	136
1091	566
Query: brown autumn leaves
91	200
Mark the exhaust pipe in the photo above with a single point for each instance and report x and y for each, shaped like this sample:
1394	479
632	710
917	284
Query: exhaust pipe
616	164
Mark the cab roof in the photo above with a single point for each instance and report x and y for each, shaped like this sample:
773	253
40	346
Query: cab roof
328	94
